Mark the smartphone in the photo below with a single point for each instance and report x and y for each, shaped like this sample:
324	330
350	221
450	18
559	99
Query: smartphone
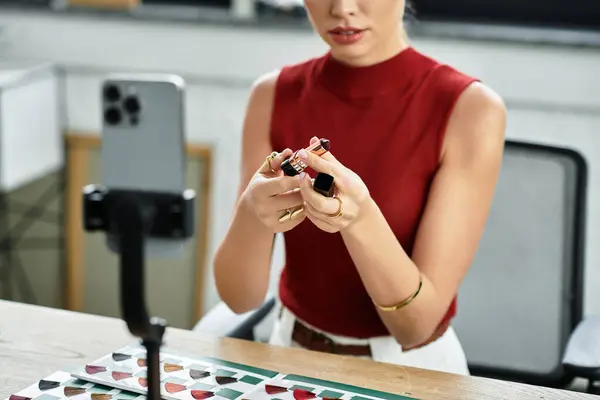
143	142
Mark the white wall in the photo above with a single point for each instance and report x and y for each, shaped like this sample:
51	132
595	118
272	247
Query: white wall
32	94
552	93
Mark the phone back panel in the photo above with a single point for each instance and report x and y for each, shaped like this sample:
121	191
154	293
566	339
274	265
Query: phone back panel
143	140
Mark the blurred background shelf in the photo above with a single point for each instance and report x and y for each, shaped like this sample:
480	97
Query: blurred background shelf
534	22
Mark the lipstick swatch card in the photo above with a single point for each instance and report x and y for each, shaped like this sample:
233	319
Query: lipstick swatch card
181	377
62	386
122	375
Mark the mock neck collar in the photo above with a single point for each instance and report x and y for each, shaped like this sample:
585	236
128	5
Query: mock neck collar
351	82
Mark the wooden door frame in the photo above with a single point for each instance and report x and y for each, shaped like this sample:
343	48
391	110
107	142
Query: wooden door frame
78	147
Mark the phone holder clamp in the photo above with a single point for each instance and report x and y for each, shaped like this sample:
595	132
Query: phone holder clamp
131	216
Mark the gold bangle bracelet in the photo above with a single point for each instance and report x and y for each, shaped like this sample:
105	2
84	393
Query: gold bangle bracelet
403	303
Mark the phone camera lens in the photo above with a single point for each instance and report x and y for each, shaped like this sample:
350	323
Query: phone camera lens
132	105
112	116
112	93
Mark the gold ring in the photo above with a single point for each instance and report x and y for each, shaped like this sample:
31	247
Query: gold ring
296	212
339	212
290	214
269	158
286	216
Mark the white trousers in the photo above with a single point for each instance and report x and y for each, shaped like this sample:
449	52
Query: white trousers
445	354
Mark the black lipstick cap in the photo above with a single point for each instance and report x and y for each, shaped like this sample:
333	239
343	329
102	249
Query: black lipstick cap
323	184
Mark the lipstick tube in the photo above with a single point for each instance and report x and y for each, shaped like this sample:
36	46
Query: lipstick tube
294	165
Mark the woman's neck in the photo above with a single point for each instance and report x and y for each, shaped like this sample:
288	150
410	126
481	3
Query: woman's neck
394	72
383	51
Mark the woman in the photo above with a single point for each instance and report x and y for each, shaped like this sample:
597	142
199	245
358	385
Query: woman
416	149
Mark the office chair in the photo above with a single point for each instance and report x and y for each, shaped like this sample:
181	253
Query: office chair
521	300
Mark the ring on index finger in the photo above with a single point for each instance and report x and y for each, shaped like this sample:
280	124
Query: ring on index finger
269	158
285	216
290	214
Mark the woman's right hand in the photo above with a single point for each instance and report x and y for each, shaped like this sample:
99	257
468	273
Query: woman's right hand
274	197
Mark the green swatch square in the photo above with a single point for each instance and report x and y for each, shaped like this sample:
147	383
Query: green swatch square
359	398
201	386
46	397
229	394
250	379
99	389
75	383
173	379
307	388
198	367
127	396
331	394
224	372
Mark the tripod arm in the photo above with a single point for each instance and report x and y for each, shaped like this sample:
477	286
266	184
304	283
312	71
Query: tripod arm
132	216
131	225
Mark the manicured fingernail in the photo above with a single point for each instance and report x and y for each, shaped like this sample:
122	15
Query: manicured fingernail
303	154
302	175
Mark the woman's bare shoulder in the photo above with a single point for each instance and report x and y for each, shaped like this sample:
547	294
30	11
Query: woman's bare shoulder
263	88
256	143
260	102
477	125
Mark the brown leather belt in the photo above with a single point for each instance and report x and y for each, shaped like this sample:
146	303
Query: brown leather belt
316	341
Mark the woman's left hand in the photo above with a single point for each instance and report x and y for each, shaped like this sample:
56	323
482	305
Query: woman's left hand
332	214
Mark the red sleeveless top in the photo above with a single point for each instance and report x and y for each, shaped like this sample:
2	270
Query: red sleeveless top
386	122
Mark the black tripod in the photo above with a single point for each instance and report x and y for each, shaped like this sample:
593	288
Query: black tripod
131	216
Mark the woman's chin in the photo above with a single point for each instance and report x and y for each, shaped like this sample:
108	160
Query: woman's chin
349	54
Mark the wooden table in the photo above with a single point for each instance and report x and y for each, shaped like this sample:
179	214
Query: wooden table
37	341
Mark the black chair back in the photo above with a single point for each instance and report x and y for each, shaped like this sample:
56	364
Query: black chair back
523	295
